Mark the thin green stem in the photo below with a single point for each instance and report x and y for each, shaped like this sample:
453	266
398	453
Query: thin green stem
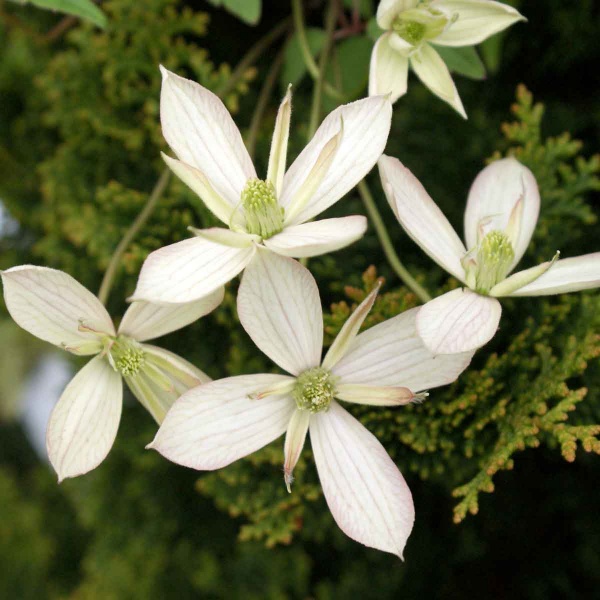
252	56
386	244
309	61
262	102
140	221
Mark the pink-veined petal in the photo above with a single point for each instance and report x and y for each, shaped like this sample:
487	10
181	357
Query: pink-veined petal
388	71
280	308
458	321
318	237
144	321
420	216
566	275
84	422
388	10
279	143
202	134
53	306
189	270
476	20
294	442
365	491
217	423
493	198
365	127
392	354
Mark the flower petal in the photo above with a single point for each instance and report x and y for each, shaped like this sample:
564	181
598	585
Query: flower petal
318	237
52	306
388	10
349	331
162	380
366	125
433	72
202	134
279	306
84	422
420	216
458	321
214	424
477	20
392	354
144	321
294	442
198	183
365	491
388	72
566	275
375	395
226	237
189	270
493	198
279	144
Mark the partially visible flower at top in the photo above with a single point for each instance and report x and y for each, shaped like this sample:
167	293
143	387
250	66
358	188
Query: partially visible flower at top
388	365
413	25
56	308
501	215
274	213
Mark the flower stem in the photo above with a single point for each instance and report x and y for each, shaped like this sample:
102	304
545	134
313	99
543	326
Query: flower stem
386	244
109	275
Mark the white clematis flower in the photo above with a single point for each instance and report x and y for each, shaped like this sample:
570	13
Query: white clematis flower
56	308
279	306
501	215
274	213
413	25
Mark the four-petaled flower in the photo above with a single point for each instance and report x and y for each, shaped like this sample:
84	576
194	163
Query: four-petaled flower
413	25
274	213
56	308
217	423
501	215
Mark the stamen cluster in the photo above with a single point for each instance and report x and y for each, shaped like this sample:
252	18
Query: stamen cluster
264	216
314	390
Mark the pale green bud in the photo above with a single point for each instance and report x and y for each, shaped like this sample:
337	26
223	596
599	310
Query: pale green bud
314	390
264	216
495	255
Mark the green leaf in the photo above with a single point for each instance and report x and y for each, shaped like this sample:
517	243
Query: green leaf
491	51
365	7
85	9
294	67
373	30
464	61
248	11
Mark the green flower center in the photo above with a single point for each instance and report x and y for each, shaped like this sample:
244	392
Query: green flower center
314	390
419	24
494	259
264	216
128	356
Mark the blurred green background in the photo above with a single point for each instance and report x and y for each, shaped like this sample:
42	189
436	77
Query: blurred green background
79	154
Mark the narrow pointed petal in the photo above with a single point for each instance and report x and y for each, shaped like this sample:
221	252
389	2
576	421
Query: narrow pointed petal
433	72
215	424
279	144
388	10
202	134
280	308
349	331
492	201
189	270
144	321
392	354
365	491
226	237
477	20
366	125
162	380
458	321
294	442
520	279
53	306
84	422
375	395
566	275
420	216
198	183
318	237
388	72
